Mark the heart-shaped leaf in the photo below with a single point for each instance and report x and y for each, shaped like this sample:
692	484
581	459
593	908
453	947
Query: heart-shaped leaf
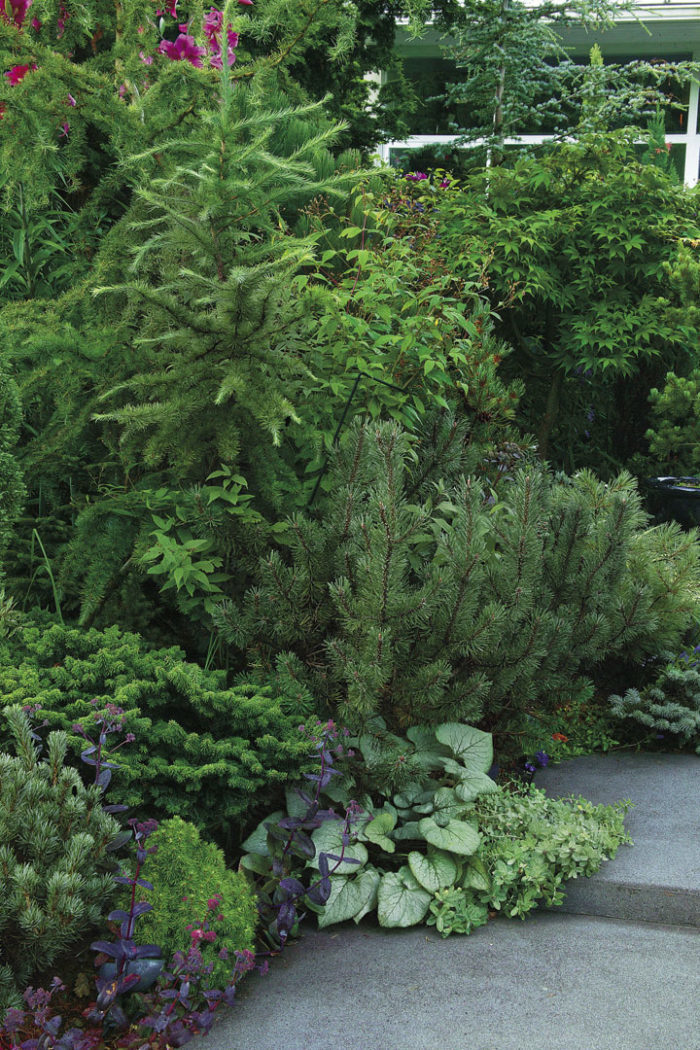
446	803
257	840
476	877
329	839
409	830
434	871
378	829
473	785
472	747
350	898
401	900
457	837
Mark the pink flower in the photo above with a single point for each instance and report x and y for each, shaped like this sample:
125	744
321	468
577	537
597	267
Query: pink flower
146	59
18	12
247	3
212	26
184	49
71	101
36	24
18	73
209	936
63	17
66	129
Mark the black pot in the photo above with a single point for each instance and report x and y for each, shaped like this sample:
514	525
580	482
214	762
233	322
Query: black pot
674	499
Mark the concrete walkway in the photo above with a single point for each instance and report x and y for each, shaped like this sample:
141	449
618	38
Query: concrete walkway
558	981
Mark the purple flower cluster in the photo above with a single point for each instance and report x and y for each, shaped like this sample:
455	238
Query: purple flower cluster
541	758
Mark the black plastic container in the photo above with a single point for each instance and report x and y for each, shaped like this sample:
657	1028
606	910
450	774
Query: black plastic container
674	499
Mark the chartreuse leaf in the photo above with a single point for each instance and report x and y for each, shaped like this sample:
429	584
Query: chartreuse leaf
457	836
378	829
401	900
472	747
351	898
434	871
473	785
329	839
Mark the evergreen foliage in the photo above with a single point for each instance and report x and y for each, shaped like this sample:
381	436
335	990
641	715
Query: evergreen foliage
194	890
203	751
669	705
419	599
674	437
55	839
220	363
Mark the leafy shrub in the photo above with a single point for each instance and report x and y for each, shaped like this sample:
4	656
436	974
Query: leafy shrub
420	595
196	900
203	751
449	846
54	856
670	704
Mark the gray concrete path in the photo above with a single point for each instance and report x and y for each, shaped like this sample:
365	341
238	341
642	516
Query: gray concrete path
657	879
558	981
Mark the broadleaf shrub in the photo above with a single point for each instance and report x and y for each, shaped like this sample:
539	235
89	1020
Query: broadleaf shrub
55	858
202	750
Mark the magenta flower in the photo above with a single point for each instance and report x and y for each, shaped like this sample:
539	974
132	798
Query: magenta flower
71	101
212	27
63	17
183	49
18	11
18	73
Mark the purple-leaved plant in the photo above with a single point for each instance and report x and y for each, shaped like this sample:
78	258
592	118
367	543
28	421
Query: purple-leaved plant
280	896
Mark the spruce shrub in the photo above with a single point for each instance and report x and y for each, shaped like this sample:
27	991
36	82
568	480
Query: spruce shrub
55	839
670	704
194	891
202	750
421	596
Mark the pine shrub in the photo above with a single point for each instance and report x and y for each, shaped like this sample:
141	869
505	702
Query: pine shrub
193	890
203	751
54	857
425	601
